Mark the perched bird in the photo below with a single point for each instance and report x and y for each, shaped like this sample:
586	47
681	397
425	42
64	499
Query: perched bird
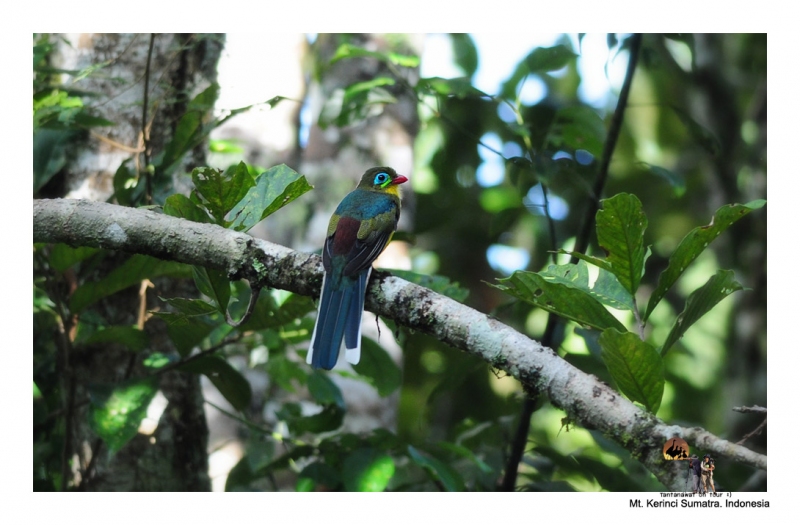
359	230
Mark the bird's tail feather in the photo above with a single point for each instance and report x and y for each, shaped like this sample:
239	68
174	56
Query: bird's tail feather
335	307
352	331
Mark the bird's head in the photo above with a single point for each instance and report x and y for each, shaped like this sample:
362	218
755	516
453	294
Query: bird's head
382	179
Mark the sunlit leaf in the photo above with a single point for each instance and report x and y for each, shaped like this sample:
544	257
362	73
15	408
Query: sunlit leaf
116	411
560	299
221	191
605	289
351	51
273	189
620	231
367	470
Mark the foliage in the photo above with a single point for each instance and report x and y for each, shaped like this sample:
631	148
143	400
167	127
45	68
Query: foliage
456	416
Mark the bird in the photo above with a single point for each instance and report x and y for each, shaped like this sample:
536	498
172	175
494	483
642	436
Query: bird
359	230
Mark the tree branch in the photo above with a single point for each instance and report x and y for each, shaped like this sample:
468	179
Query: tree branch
583	397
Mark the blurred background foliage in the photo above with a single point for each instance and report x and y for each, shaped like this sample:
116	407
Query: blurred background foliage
693	139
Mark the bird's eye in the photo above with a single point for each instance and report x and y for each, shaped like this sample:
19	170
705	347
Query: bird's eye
380	178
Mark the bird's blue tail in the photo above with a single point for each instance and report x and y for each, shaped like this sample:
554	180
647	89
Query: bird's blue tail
339	317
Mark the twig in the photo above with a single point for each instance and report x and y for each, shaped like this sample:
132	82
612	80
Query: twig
753	409
251	306
195	357
145	133
755	432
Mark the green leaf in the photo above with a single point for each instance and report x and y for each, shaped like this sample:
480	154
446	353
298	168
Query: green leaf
578	127
606	289
116	412
190	130
129	273
323	390
213	284
63	256
456	87
635	366
437	283
180	205
544	59
378	368
185	332
221	191
230	383
50	148
190	307
620	231
717	288
565	301
285	372
438	470
330	418
129	336
367	470
465	52
694	243
351	51
273	189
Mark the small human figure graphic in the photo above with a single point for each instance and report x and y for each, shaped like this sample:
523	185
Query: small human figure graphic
707	476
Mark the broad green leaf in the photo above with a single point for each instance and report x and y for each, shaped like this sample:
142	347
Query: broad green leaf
129	273
562	300
190	130
620	231
351	51
438	470
221	191
190	307
213	284
179	205
50	148
323	390
717	288
330	418
63	256
129	336
267	314
437	283
230	383
378	368
544	59
636	367
185	332
455	87
465	53
578	127
286	372
127	185
116	411
367	470
693	245
273	189
606	289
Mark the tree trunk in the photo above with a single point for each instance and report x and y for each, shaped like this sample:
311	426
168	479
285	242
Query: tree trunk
174	68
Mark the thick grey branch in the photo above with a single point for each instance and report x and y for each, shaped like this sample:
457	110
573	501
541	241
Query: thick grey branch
586	399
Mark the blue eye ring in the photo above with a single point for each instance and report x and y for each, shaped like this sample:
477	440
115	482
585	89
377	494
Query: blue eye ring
381	178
